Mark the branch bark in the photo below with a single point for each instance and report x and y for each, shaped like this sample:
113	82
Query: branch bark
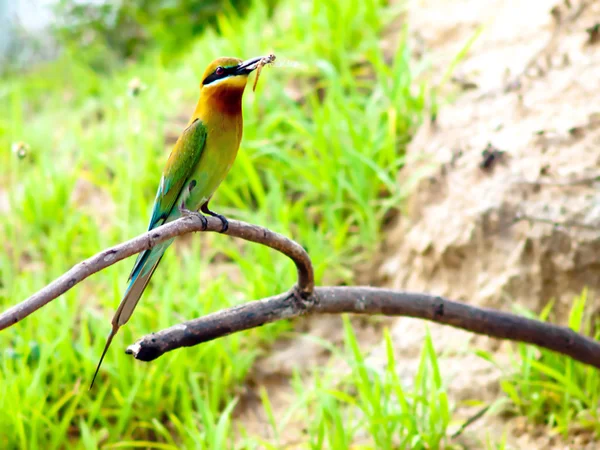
304	298
145	241
369	300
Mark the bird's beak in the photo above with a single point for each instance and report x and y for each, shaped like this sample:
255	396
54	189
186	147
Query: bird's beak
249	65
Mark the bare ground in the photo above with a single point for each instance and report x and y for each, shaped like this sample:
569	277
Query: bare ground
521	141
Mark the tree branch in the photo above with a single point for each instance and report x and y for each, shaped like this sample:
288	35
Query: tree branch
369	300
148	240
304	299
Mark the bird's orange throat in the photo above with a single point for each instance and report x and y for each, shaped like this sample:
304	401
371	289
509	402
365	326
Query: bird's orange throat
226	99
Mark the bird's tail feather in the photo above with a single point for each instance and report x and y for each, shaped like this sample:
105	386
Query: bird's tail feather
140	277
143	270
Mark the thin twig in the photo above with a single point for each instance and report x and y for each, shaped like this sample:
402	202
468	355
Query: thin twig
148	240
563	183
555	223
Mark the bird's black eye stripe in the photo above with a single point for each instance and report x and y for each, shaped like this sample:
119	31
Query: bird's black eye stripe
219	72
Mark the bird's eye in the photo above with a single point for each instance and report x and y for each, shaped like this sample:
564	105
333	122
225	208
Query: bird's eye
220	70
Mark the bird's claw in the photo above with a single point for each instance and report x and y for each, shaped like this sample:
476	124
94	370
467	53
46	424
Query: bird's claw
186	212
204	221
224	222
223	219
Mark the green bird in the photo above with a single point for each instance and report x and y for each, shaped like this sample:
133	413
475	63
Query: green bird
198	163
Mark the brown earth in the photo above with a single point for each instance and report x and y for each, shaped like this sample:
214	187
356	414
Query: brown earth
458	237
506	202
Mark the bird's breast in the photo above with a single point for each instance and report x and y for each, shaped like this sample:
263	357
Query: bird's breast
220	150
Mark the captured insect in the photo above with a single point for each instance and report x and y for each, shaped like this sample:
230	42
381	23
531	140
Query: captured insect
263	62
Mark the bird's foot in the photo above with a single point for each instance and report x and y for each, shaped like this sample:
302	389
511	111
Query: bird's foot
222	218
186	212
224	222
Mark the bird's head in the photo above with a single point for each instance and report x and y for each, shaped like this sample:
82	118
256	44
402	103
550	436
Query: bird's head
223	84
227	74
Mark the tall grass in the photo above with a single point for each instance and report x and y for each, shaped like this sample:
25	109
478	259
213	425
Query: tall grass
361	405
551	389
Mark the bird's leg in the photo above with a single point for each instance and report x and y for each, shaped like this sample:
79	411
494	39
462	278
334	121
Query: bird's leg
205	210
186	212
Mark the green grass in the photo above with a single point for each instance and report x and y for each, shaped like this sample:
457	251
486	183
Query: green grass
374	401
361	405
321	170
551	389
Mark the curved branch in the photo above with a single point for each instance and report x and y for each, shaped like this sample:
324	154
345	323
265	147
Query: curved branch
369	300
303	299
148	240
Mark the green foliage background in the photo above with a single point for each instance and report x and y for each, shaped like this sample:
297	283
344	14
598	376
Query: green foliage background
107	33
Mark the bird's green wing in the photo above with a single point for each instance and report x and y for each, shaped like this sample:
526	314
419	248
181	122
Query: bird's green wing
180	165
182	160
